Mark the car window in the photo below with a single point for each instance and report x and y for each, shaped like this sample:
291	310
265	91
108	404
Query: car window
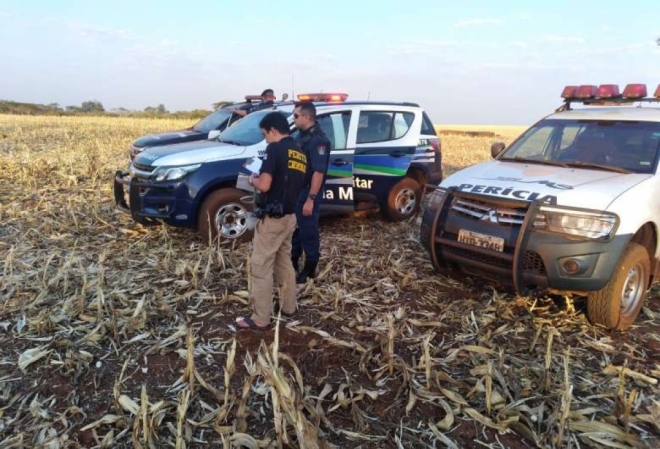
213	120
427	125
533	144
335	127
402	122
631	145
569	134
378	126
246	131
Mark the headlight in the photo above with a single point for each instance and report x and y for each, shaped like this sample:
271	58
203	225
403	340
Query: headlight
578	223
436	198
174	173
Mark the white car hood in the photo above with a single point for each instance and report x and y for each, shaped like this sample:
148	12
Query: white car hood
206	153
573	187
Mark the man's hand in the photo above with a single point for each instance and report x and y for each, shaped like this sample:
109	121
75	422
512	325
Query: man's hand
308	208
252	178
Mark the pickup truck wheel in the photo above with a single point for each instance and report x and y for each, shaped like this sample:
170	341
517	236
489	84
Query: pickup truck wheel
404	200
223	216
617	305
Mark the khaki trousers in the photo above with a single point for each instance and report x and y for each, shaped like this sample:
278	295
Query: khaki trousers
271	254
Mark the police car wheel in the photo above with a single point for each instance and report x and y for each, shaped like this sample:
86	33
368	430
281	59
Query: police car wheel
223	216
617	305
404	200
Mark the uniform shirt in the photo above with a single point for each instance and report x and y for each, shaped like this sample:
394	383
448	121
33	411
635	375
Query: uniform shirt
316	146
287	164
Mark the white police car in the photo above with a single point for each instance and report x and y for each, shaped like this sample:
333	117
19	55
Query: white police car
572	205
382	155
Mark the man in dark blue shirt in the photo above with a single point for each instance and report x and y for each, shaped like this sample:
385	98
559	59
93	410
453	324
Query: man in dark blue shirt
267	101
316	146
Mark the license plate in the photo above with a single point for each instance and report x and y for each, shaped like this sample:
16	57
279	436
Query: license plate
482	240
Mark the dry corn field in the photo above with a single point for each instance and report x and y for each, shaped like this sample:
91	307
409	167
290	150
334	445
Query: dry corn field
113	335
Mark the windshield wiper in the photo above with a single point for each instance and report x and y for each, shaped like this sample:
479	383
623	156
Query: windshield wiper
599	167
534	161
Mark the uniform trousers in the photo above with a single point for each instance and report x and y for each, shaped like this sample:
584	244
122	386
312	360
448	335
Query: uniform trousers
307	238
271	256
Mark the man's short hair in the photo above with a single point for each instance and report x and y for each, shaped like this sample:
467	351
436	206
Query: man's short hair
277	121
307	108
268	92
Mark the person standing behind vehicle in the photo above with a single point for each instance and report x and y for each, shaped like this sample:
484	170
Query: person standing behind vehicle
267	101
281	178
316	146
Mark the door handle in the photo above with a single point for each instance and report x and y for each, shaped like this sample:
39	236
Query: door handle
397	153
340	162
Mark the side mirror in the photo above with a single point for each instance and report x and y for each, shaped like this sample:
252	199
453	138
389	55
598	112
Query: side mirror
284	97
213	134
496	148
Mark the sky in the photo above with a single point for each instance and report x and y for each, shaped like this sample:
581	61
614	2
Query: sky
472	62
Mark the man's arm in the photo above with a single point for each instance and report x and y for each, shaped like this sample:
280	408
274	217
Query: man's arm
314	189
262	182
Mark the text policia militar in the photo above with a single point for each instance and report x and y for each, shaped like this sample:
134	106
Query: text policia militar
346	192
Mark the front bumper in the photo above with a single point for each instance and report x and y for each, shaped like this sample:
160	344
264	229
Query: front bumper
530	259
151	203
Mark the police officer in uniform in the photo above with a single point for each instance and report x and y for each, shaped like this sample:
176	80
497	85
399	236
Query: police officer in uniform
316	146
281	178
267	101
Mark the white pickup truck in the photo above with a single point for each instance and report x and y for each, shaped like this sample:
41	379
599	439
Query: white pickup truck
572	205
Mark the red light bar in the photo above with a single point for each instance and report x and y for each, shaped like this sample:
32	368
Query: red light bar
634	91
569	92
657	92
586	91
323	97
608	91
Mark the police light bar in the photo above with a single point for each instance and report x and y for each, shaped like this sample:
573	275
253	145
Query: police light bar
634	91
586	91
253	98
569	92
657	92
608	91
323	97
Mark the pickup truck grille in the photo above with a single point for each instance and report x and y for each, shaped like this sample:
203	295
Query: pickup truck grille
491	212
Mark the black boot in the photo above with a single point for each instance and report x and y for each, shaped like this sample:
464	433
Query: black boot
308	272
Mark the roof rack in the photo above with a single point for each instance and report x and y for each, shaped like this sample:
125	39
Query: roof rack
606	94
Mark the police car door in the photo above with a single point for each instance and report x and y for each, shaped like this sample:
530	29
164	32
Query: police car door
384	149
338	188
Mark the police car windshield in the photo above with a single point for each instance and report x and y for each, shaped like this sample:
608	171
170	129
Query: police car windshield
622	146
246	131
213	120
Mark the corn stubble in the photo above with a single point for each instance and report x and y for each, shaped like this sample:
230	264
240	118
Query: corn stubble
385	353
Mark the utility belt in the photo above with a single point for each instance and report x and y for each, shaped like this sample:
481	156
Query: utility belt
272	210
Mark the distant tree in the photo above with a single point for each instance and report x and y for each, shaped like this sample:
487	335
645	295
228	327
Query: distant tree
657	41
92	106
160	109
222	104
73	109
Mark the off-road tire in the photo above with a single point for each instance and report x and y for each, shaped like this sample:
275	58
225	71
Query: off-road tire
224	203
617	305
